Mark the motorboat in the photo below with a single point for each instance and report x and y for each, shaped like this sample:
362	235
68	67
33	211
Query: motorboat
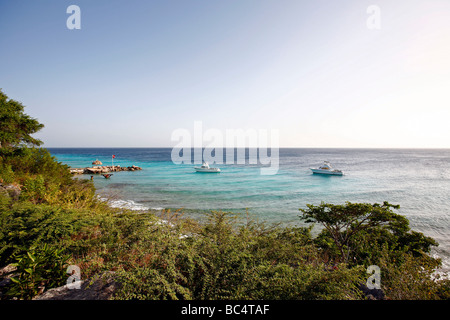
326	168
206	168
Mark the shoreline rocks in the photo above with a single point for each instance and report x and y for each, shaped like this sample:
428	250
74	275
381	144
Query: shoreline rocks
103	169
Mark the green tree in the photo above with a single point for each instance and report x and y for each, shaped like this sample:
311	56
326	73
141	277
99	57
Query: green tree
16	127
355	232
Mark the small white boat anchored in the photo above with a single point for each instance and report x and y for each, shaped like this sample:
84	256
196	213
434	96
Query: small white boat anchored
326	168
205	168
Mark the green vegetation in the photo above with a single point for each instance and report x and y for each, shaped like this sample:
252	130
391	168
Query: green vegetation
48	220
357	233
16	126
38	268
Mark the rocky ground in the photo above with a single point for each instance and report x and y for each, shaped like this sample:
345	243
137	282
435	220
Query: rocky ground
101	287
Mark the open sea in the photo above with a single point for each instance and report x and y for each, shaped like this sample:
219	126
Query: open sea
416	179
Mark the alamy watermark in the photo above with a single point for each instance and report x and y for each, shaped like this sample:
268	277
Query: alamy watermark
227	147
374	281
373	22
74	20
74	280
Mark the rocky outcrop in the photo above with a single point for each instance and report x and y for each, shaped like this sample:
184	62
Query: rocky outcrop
5	278
372	294
103	169
11	190
100	288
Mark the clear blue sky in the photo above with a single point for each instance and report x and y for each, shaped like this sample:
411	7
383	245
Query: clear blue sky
138	70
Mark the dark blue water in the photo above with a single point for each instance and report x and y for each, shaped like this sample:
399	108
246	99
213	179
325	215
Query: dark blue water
417	180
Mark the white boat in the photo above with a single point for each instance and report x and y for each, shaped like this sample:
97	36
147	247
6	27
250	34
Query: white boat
205	168
326	168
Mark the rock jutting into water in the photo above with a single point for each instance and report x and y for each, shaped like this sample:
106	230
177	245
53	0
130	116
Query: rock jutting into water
103	169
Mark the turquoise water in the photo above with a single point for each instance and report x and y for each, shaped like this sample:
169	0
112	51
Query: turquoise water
417	180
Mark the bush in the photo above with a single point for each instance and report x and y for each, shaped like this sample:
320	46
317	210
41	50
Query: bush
227	261
38	269
24	225
407	277
33	189
6	174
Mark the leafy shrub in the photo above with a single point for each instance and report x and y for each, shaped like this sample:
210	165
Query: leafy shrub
33	189
38	269
6	174
38	161
226	261
24	225
77	194
408	277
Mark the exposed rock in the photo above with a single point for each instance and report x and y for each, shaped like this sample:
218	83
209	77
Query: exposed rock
13	191
100	288
97	162
103	169
5	278
96	170
7	270
77	170
372	294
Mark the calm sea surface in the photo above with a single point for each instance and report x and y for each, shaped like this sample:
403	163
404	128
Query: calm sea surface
416	179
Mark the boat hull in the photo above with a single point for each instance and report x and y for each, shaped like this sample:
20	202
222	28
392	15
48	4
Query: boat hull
328	172
209	170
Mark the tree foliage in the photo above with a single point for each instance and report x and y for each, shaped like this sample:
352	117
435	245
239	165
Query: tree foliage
356	232
16	127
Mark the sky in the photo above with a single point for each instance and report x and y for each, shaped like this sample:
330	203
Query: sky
317	72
